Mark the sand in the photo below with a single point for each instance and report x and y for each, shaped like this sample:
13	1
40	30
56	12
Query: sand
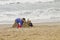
41	31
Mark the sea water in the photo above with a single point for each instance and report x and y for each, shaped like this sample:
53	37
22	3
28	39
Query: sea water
36	16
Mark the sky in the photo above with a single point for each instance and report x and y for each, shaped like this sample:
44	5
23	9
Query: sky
22	1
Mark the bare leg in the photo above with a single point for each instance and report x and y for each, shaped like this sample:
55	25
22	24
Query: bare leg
14	25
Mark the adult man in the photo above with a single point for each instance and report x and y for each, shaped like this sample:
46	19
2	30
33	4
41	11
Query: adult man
18	22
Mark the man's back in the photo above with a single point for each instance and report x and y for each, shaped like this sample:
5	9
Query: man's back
18	20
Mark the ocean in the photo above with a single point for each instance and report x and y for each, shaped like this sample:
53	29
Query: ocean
36	16
37	12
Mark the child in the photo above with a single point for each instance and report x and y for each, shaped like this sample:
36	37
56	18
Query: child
29	23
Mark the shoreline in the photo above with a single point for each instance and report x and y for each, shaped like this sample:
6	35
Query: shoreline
35	24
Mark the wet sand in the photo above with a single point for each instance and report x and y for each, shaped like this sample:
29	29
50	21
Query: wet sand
40	31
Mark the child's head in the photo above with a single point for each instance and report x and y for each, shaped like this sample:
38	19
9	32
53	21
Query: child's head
29	21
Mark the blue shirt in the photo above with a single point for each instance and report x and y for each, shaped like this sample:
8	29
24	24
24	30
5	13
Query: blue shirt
18	20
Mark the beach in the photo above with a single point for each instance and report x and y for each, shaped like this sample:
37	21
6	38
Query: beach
40	31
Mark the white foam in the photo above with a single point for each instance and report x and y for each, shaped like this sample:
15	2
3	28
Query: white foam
35	16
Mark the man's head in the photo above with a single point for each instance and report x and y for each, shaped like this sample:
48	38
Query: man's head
23	19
